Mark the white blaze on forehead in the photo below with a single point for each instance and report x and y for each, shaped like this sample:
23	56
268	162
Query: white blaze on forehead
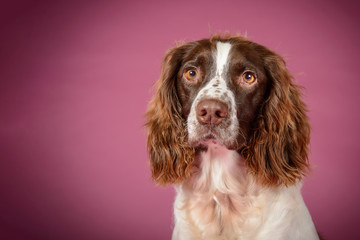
222	54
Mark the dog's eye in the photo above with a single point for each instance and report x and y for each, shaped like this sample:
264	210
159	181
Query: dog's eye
248	77
191	75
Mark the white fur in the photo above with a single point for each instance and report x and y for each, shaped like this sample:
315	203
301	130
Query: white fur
222	201
223	50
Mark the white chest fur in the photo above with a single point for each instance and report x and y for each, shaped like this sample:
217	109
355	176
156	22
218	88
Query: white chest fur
222	201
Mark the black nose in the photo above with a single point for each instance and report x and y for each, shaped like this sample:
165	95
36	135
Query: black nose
210	111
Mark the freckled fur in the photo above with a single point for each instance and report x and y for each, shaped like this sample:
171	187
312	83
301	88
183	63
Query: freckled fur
245	184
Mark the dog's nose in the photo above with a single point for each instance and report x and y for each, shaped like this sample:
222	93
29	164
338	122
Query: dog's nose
210	111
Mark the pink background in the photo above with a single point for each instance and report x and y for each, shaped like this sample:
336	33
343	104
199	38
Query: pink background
75	79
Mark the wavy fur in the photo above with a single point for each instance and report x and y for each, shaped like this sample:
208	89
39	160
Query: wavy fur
277	152
170	155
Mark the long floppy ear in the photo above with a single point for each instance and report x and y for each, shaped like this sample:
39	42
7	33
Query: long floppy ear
278	148
170	155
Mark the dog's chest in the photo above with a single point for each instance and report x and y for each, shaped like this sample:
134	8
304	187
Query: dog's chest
221	199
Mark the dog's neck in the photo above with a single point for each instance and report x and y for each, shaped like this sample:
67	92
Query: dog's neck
220	191
218	170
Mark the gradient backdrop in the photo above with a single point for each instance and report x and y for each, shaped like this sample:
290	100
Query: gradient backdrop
75	82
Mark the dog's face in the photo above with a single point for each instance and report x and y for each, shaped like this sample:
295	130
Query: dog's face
232	92
220	86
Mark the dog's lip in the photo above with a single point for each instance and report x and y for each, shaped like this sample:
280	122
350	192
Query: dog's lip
209	139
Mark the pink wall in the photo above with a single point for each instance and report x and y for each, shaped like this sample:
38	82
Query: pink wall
75	80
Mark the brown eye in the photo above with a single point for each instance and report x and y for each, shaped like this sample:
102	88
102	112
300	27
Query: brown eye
248	77
191	75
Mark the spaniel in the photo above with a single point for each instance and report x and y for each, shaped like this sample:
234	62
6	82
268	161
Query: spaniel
227	127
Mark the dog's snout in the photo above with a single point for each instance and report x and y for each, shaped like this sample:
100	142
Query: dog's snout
210	111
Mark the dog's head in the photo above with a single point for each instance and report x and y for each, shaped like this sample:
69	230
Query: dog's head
232	92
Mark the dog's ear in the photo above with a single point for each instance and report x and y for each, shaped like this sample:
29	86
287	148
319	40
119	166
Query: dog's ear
278	147
170	155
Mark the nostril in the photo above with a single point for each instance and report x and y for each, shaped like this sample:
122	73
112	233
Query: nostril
202	112
220	114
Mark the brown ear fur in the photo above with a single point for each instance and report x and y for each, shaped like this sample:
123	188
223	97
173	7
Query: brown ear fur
170	155
278	147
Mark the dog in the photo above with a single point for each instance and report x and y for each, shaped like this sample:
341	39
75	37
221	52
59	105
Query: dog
228	128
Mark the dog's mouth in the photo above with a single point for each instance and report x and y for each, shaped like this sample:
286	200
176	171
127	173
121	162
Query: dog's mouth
208	141
211	138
